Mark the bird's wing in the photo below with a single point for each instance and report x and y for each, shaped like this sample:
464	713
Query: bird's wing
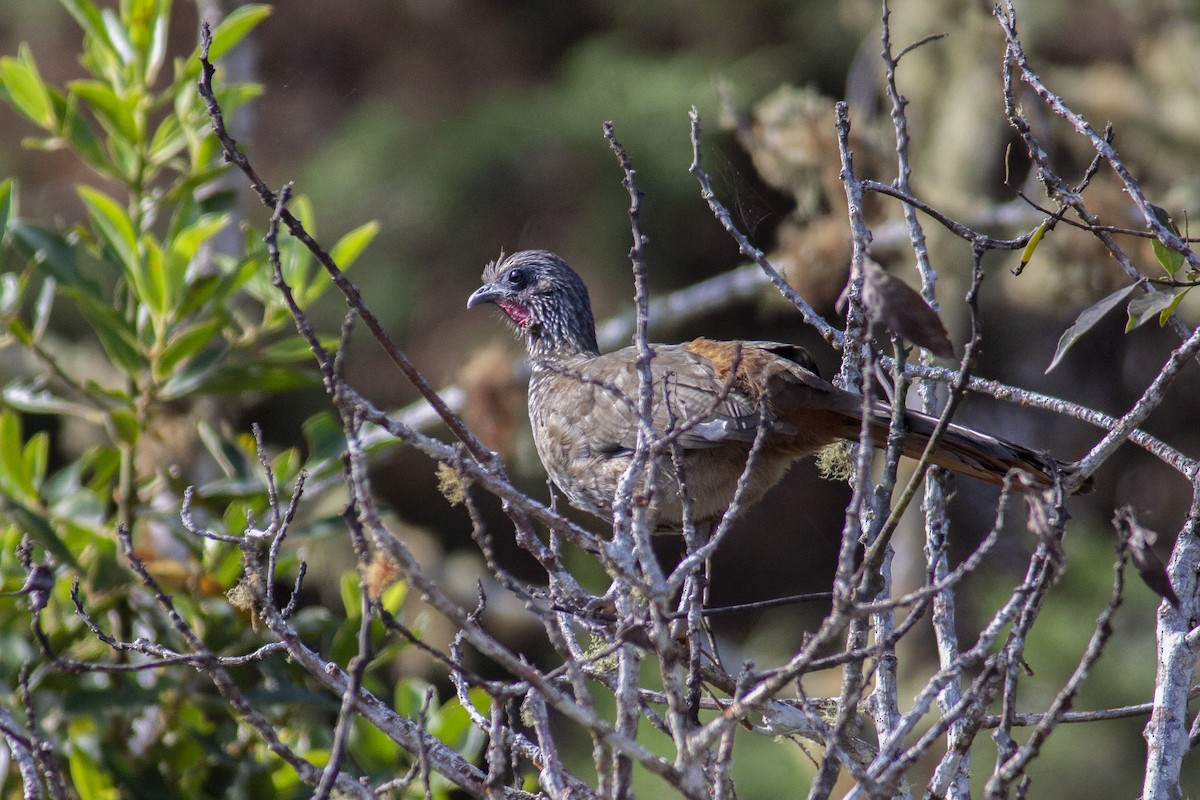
708	391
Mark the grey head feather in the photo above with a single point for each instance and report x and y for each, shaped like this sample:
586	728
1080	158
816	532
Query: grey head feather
545	300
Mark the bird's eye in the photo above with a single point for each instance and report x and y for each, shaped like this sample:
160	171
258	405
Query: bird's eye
516	278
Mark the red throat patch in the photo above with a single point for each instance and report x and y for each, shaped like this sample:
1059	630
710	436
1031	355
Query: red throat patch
516	312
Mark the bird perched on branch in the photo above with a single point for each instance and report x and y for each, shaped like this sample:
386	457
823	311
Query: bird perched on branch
710	400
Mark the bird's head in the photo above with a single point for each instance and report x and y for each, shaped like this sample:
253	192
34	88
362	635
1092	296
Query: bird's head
544	299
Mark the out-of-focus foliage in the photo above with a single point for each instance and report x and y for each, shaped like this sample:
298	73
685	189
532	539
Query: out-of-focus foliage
130	335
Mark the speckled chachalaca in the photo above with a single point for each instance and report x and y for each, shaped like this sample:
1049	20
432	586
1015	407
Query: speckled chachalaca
713	396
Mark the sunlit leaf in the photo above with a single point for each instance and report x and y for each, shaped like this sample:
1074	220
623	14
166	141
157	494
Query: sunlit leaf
156	285
87	777
156	52
118	36
186	242
27	90
393	597
351	593
1034	241
168	141
42	305
344	253
15	478
113	225
349	247
1166	313
113	112
35	399
36	454
10	293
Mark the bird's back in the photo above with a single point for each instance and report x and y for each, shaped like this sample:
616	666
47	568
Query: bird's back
705	412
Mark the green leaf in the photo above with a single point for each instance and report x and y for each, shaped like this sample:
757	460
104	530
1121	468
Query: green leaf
350	246
194	373
1170	260
115	228
52	255
168	141
27	90
199	292
186	243
294	258
186	343
92	782
10	293
351	593
393	597
1146	306
40	530
1163	217
78	133
1034	241
324	438
409	697
126	159
116	337
8	201
31	397
258	377
295	349
125	425
21	333
15	478
227	489
229	458
88	17
156	284
36	454
233	29
118	36
236	96
42	306
156	53
1086	320
1166	313
344	253
100	59
114	113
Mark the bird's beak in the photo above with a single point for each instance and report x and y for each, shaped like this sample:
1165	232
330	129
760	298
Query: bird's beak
488	293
